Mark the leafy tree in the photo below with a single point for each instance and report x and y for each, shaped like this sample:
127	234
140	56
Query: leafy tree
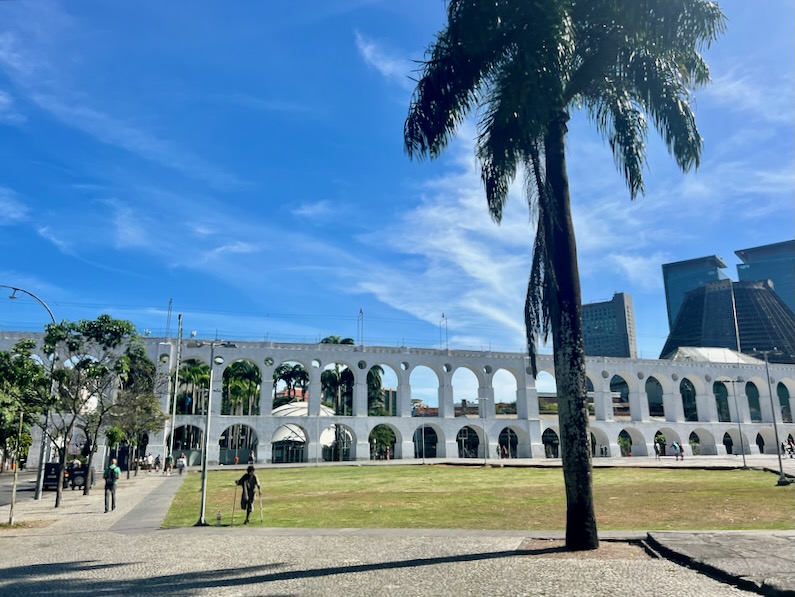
337	384
241	388
522	67
113	437
194	376
137	414
91	358
24	388
375	391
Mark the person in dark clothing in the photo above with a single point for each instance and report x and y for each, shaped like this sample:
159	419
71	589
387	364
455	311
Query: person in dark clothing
112	474
249	483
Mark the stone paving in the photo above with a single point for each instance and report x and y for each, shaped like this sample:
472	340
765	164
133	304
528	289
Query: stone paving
79	550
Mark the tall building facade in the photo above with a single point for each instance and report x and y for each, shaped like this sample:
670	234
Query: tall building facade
744	316
774	262
681	277
609	328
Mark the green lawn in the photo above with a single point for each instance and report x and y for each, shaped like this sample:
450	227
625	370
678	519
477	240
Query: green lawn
459	497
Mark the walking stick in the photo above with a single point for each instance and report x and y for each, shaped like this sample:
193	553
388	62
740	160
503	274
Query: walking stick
260	505
234	499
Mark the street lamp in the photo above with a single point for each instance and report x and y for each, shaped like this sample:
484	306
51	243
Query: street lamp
43	449
208	408
782	479
739	380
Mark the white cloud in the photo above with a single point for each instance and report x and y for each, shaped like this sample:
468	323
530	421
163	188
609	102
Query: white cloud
314	211
389	65
60	244
768	101
8	112
11	209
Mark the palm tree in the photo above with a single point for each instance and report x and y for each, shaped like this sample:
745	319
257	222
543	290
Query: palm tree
522	67
375	391
337	382
195	375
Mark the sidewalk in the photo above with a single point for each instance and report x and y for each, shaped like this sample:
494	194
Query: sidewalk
77	549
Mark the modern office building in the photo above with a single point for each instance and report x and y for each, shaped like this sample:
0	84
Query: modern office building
744	316
774	262
609	328
683	276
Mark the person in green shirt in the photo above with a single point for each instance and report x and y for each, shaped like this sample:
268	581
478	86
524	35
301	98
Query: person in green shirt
111	476
249	483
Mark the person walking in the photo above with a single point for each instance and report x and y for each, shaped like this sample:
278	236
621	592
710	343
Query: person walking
249	483
182	463
111	476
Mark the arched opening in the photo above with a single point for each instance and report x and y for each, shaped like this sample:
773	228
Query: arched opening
288	444
194	384
236	444
382	443
240	391
382	385
625	443
468	442
619	389
188	440
425	440
465	390
509	443
504	384
551	443
290	383
752	393
688	393
721	401
654	396
783	401
695	443
336	386
424	391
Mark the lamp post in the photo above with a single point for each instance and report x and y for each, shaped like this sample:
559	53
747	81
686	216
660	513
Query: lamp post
739	380
208	409
43	448
485	434
176	388
782	479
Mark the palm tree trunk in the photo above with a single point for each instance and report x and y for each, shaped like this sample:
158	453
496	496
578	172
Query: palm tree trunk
563	298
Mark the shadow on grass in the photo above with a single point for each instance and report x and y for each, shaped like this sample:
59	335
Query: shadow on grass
26	580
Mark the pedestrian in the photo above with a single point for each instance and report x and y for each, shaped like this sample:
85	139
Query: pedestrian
182	463
157	463
111	476
675	448
656	451
168	465
249	483
251	457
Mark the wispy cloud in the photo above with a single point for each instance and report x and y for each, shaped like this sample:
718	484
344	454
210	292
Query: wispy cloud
765	101
315	211
12	210
388	63
63	246
8	111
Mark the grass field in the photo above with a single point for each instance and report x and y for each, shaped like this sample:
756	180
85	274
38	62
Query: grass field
458	497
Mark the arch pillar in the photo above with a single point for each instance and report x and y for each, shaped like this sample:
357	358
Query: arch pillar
403	406
266	397
603	402
313	408
638	405
360	399
446	409
526	402
674	409
707	409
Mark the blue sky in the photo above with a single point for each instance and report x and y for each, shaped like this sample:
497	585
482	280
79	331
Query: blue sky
245	161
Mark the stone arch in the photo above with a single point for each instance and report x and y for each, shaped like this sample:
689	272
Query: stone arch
785	407
337	386
426	440
505	386
636	445
551	442
619	390
468	442
766	440
385	442
288	444
188	440
735	442
752	394
465	387
687	394
290	382
240	388
237	441
425	384
510	439
600	443
721	393
654	397
702	442
382	396
194	386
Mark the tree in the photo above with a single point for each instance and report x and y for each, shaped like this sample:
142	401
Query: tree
194	375
137	414
333	381
375	391
522	67
24	388
91	360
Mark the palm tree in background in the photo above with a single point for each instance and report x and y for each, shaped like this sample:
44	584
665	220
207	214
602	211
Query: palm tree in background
522	67
194	376
375	391
334	385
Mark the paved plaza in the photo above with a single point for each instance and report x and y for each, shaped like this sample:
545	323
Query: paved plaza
79	550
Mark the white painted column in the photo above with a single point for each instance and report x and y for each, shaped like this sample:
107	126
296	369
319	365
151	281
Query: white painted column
360	398
314	391
403	407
